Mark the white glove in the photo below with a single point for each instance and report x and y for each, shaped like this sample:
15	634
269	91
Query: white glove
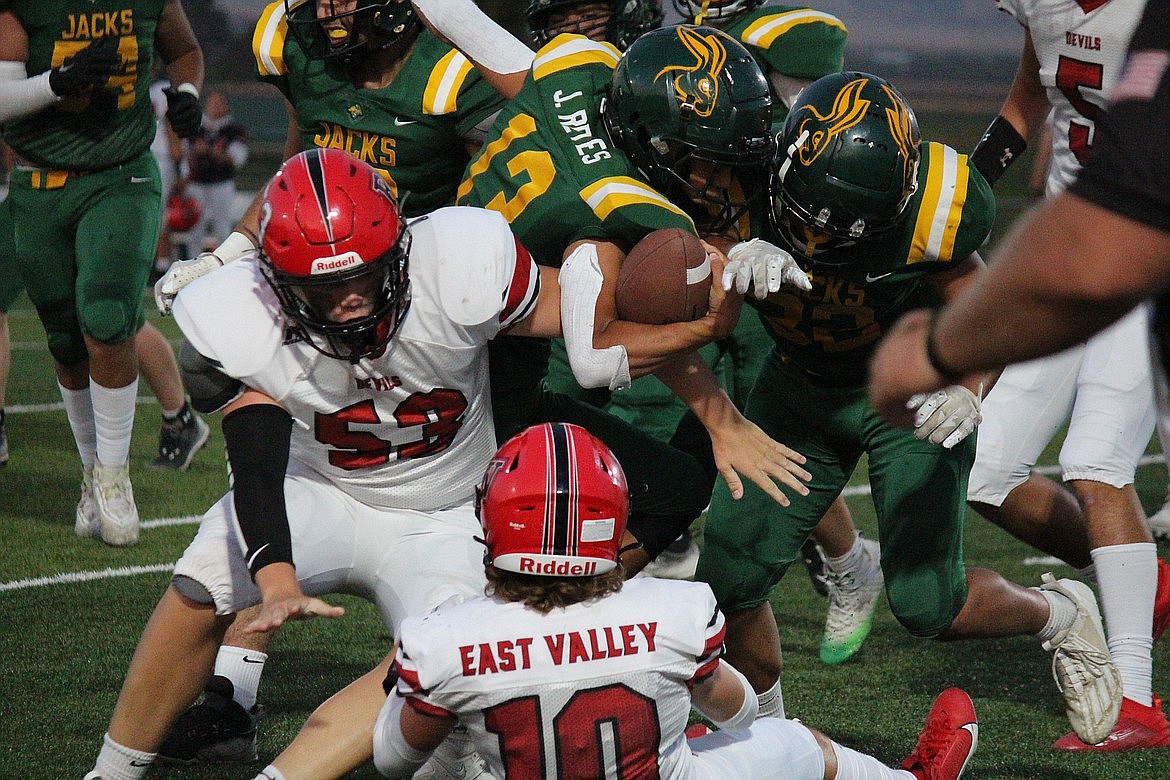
946	416
764	266
183	272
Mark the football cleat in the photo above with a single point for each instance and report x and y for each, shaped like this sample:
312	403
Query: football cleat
455	758
1137	728
814	563
947	741
117	514
696	730
1081	664
217	730
1159	522
677	562
85	520
853	596
178	441
1162	601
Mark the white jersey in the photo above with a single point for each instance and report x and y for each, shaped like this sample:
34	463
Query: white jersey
563	693
1081	46
411	428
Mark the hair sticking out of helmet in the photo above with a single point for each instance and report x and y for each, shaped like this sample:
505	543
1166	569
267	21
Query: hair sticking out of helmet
335	248
619	22
353	33
692	111
714	12
553	503
846	165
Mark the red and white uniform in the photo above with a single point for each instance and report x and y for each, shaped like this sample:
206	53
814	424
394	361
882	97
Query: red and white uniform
1103	388
598	689
385	454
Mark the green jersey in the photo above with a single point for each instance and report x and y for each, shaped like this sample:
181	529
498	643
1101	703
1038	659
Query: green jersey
793	41
830	331
550	168
412	131
105	125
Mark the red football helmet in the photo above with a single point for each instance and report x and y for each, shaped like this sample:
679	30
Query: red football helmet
553	502
182	213
329	223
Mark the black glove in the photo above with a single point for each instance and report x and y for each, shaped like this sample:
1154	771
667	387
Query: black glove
183	112
91	66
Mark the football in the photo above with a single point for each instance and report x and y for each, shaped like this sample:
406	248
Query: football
665	278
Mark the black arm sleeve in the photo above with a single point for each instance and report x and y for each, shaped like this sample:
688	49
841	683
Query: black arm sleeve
258	438
999	147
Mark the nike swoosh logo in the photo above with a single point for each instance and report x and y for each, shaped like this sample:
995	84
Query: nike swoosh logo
872	278
139	763
65	67
404	122
263	547
250	660
139	179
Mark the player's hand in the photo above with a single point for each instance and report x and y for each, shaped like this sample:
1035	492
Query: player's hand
295	606
179	275
723	308
742	449
89	67
183	110
762	266
946	416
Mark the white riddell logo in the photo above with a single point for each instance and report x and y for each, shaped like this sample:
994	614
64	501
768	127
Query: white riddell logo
324	265
875	277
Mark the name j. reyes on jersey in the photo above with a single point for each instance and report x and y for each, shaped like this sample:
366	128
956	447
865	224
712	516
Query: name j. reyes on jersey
589	147
570	647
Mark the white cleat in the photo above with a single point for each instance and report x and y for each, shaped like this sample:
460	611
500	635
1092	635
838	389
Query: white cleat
677	562
1159	522
114	496
85	522
1081	665
455	759
853	597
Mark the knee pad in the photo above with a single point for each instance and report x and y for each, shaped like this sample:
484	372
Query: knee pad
110	321
925	614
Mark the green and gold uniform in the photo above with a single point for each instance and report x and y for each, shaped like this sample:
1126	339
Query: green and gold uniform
86	197
10	284
811	396
412	131
794	41
551	170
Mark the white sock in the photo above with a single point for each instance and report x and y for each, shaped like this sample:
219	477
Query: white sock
1061	614
772	702
270	772
854	560
79	410
118	762
113	417
852	765
243	667
1127	578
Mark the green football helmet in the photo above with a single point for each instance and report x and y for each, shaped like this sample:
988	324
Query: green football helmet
691	109
846	163
715	13
616	21
349	36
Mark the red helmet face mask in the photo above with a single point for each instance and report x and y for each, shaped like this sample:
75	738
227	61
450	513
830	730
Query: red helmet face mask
554	503
335	248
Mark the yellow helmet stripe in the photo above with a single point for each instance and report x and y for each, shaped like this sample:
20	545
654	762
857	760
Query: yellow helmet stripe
268	39
569	51
442	90
613	192
764	31
941	209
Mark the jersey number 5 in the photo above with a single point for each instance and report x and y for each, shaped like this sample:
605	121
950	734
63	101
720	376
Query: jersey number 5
1071	76
437	414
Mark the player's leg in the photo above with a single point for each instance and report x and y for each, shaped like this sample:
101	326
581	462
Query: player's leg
10	289
1112	421
182	433
919	491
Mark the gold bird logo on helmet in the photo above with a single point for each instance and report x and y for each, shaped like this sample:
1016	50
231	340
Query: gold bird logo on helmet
697	86
848	110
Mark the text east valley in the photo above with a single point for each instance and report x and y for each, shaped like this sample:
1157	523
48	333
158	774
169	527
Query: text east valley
508	655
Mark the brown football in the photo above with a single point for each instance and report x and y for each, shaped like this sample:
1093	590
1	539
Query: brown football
665	278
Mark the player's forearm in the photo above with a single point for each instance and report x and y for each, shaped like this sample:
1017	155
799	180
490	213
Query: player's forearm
649	347
21	96
696	385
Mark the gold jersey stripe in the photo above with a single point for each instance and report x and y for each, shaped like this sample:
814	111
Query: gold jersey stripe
442	90
568	51
268	39
613	192
764	31
941	210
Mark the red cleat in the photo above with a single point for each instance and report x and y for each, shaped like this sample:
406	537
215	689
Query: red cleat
1162	600
948	739
696	730
1138	727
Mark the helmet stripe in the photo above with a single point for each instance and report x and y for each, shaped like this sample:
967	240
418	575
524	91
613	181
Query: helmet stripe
315	168
561	537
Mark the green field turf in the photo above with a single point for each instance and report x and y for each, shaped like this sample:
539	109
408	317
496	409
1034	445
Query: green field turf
71	611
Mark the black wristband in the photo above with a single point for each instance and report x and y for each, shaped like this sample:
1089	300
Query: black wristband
257	438
997	149
936	362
